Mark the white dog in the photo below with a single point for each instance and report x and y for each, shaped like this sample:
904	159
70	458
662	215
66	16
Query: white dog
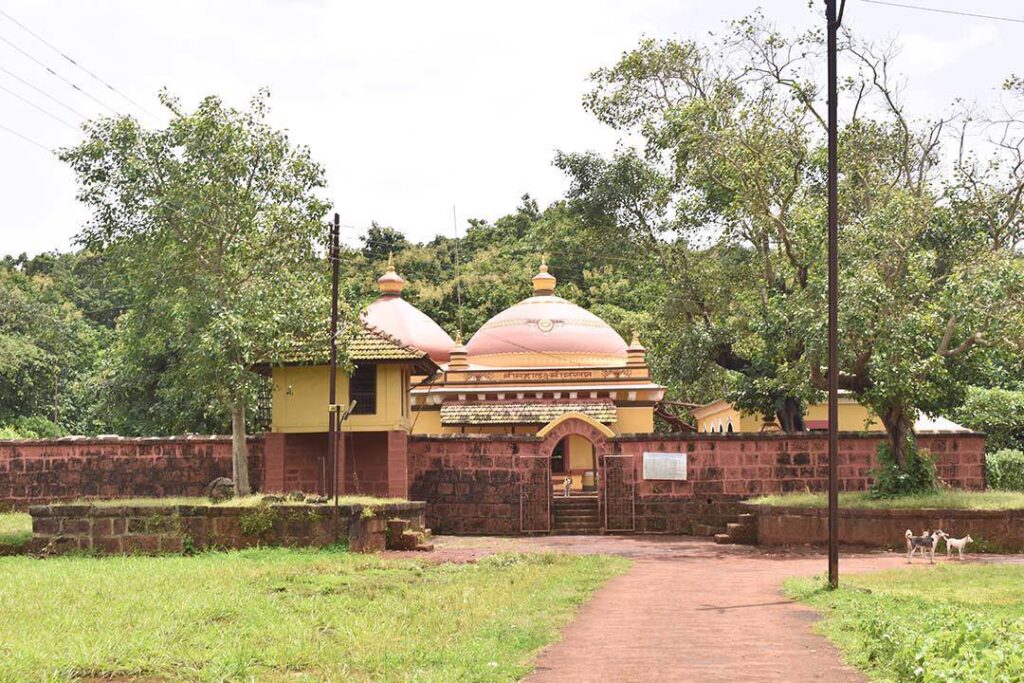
567	484
926	543
958	543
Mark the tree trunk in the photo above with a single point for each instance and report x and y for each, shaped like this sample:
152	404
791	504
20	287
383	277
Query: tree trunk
791	416
239	450
898	428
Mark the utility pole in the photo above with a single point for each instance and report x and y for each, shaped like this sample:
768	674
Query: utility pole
833	21
331	462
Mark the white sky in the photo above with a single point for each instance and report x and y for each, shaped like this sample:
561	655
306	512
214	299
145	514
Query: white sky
411	106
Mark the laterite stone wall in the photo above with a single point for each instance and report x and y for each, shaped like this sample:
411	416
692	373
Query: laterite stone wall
116	530
992	530
470	483
41	471
474	484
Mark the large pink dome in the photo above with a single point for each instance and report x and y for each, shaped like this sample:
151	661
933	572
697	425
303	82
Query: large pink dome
400	319
546	330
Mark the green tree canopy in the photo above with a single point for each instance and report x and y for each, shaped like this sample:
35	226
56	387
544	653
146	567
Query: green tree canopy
216	221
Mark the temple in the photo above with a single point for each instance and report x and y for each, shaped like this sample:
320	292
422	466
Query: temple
542	422
530	367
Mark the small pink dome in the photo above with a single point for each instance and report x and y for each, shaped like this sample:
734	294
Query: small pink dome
558	331
396	316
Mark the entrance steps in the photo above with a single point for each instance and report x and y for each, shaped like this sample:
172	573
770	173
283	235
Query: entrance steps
742	531
575	515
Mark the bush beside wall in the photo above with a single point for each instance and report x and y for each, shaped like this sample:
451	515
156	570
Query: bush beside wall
1005	469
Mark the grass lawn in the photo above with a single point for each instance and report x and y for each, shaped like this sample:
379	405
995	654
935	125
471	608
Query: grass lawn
952	622
286	615
950	500
15	528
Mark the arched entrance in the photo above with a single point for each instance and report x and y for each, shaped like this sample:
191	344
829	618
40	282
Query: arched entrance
574	458
575	446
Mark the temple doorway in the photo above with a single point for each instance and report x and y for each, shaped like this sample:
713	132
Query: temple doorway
574	510
574	457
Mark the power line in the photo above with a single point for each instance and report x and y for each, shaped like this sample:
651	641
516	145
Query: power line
36	106
80	66
26	138
44	93
936	10
69	82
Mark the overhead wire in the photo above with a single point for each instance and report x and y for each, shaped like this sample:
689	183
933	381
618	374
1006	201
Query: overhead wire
76	63
37	107
44	93
938	10
26	138
62	78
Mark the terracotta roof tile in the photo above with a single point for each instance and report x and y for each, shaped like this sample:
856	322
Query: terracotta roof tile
367	343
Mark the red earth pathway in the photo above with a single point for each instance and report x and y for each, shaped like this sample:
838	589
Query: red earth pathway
688	610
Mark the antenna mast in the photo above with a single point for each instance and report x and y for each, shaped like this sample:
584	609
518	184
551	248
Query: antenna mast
458	270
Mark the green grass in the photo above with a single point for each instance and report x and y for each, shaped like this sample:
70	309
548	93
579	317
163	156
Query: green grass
952	622
243	501
949	500
15	528
286	615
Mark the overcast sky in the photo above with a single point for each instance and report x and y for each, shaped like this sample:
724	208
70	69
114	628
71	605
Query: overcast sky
412	107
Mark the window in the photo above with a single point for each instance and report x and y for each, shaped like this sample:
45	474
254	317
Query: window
363	389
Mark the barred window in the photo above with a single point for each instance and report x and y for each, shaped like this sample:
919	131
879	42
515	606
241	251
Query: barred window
363	389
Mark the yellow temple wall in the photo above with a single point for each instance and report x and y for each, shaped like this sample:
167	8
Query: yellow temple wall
634	420
852	418
300	393
427	422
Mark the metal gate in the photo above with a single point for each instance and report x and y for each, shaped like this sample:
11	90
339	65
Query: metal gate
535	494
619	493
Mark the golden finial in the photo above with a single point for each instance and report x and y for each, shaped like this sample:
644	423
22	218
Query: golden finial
390	282
458	338
543	282
636	337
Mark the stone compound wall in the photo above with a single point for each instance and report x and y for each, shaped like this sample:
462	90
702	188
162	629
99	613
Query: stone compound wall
725	469
475	484
41	471
471	483
992	530
114	530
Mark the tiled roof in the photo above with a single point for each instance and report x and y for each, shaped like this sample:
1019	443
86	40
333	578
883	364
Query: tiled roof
482	413
367	343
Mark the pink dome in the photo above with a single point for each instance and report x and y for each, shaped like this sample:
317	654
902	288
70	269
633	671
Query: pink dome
411	326
546	330
400	319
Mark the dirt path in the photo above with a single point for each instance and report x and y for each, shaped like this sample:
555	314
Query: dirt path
688	610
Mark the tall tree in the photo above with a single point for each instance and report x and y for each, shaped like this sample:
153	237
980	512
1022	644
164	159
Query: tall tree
216	221
734	132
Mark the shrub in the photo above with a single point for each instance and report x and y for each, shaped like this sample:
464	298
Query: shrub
258	521
31	427
1005	469
997	412
891	480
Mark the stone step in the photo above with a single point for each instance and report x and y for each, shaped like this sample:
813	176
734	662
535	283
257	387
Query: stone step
576	512
723	538
741	533
574	502
707	529
575	532
584	526
747	519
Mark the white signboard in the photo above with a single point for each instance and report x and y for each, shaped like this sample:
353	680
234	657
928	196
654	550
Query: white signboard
664	466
